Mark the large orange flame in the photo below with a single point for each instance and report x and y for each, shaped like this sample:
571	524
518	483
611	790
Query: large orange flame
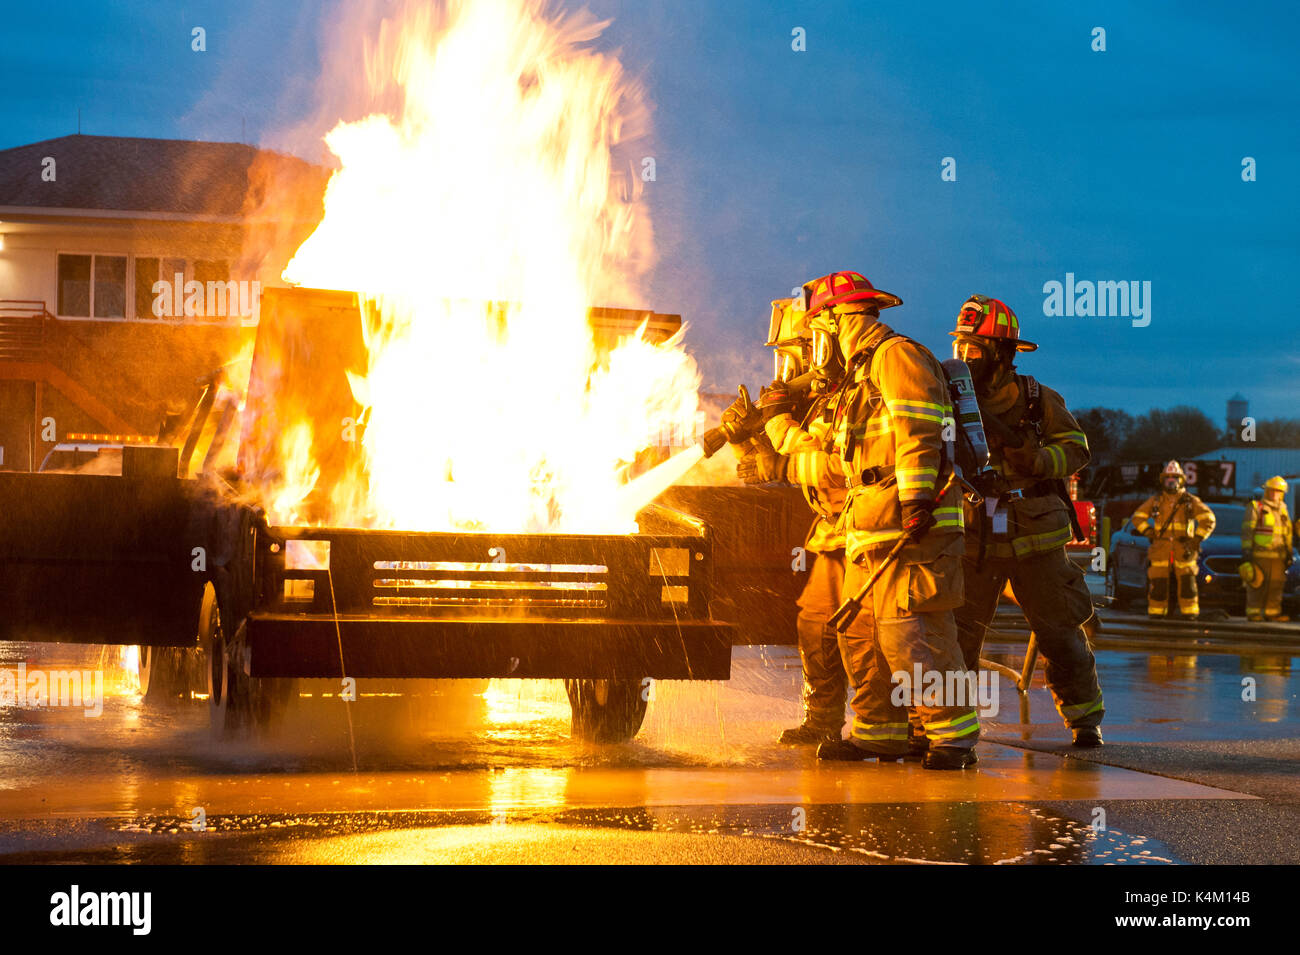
479	214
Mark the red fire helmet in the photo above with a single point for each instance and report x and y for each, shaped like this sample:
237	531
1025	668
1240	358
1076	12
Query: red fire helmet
839	288
986	317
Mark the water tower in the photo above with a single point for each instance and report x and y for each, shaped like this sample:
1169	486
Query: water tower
1238	408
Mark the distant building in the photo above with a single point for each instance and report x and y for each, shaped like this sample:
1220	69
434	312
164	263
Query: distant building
1254	466
129	268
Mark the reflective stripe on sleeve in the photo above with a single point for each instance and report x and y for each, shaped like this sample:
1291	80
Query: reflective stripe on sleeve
1078	437
912	479
922	410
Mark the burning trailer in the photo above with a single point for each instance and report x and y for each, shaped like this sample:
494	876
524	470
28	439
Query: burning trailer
195	568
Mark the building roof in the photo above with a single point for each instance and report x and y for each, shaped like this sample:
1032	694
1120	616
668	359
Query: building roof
167	176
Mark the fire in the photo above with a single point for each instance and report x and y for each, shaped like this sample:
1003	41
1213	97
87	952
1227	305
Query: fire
479	213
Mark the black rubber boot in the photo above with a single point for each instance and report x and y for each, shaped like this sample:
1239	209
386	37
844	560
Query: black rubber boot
1087	737
949	757
811	733
845	751
917	747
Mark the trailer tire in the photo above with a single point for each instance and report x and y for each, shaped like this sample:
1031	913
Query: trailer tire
162	674
227	692
606	711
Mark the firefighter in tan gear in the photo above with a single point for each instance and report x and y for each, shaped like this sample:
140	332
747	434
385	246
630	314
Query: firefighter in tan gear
1018	532
1175	521
889	422
798	447
1266	549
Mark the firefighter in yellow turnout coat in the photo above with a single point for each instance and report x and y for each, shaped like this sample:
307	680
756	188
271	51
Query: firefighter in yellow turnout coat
1020	529
889	424
1175	521
1266	549
799	448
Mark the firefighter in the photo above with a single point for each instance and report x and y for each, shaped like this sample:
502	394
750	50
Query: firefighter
1266	534
1175	521
798	447
889	421
1019	531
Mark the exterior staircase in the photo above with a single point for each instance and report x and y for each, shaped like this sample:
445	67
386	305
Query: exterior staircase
25	355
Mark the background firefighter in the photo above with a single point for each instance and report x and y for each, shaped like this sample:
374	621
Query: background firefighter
1019	532
799	448
1266	549
1175	521
889	424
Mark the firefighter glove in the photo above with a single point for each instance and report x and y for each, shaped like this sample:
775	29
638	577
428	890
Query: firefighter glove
918	517
761	465
741	420
776	399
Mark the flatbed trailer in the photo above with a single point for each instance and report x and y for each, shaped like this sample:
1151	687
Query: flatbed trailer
188	567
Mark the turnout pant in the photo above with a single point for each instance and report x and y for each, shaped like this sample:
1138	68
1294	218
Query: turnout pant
1158	575
1265	600
908	623
824	682
1054	597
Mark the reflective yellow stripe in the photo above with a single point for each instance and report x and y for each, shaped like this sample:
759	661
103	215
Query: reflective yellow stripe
915	403
1075	710
921	414
808	468
949	517
1078	437
955	721
1058	463
912	478
1048	540
876	732
960	726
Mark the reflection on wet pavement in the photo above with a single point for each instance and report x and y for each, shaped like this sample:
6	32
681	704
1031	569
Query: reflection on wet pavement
471	753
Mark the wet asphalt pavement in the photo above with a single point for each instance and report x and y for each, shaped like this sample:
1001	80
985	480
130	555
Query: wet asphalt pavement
486	772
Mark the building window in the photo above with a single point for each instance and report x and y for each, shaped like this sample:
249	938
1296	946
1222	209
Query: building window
110	286
92	286
74	286
214	276
103	286
146	274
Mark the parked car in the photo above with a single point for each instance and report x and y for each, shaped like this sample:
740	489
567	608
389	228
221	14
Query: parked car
1218	581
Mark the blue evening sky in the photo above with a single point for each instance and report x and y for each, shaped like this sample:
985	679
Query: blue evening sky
774	166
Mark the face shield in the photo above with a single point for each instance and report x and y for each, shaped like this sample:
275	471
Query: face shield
775	329
790	362
979	358
968	350
823	348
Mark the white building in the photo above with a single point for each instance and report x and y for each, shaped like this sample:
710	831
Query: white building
128	269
